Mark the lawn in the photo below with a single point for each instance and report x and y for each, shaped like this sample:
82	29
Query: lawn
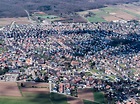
97	72
52	98
88	74
2	50
1	41
112	77
122	65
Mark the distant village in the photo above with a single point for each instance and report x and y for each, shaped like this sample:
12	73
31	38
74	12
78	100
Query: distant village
103	56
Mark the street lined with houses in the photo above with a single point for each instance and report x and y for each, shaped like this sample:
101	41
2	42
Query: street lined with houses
69	56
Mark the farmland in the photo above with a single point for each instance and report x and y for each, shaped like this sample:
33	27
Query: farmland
20	20
86	94
61	10
99	97
13	93
87	13
8	8
43	16
35	99
9	89
112	13
10	93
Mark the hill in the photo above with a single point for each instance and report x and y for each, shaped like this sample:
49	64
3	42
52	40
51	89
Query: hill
63	8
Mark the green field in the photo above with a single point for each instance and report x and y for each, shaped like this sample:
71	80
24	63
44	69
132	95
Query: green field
47	98
88	74
2	50
52	98
131	13
95	19
101	15
89	102
99	98
48	17
9	100
109	9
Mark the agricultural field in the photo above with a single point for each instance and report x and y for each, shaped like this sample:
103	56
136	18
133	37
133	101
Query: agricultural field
112	13
9	89
14	8
99	98
1	50
20	20
86	94
93	97
74	100
44	16
35	99
102	14
13	93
